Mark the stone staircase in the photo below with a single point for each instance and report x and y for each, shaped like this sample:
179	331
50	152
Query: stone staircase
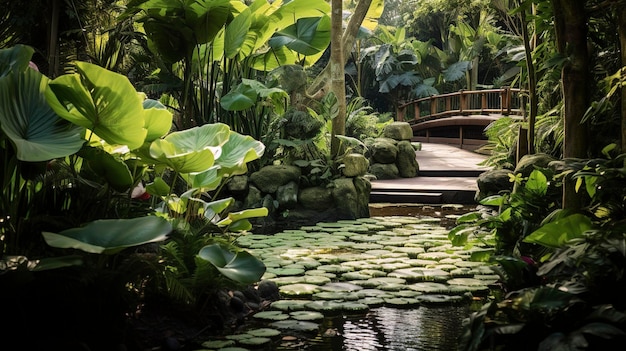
447	176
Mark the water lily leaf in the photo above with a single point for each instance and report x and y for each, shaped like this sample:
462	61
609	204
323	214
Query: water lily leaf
306	315
271	315
28	121
240	267
102	101
264	332
109	236
290	324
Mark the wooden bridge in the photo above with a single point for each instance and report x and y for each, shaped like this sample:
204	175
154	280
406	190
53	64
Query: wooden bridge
460	118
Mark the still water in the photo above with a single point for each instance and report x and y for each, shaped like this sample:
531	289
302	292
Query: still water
389	329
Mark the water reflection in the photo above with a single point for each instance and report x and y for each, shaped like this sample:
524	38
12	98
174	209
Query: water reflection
391	329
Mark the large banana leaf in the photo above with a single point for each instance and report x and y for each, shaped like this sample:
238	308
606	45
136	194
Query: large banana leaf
236	33
26	118
102	101
240	267
191	150
110	236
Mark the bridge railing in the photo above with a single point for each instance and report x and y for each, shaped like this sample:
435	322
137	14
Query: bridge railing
506	101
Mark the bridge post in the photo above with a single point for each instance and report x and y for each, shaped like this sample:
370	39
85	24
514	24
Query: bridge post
433	105
416	110
400	113
505	101
462	101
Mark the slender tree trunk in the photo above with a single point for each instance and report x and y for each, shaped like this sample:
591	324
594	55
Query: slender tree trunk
53	40
532	86
320	83
571	33
621	28
337	75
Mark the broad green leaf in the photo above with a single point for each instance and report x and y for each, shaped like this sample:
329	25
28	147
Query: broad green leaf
456	71
240	98
459	234
245	214
213	209
289	12
308	36
15	59
28	121
207	18
240	267
470	217
102	101
493	200
157	118
558	233
105	165
158	187
373	14
236	33
537	182
207	180
272	58
191	150
237	152
109	236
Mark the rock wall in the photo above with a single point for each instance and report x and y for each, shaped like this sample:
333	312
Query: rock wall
393	155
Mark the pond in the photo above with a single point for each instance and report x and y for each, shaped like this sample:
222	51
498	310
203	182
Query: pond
388	282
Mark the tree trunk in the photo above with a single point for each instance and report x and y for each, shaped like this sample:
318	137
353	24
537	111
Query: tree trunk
337	75
621	28
53	40
320	83
532	86
571	34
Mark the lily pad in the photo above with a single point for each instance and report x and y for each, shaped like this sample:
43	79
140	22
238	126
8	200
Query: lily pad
340	287
299	289
255	341
218	344
290	305
271	315
306	315
429	288
292	324
264	332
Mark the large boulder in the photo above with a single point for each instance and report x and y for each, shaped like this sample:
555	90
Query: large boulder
316	198
346	198
493	182
238	184
398	131
253	198
406	160
363	189
384	170
269	178
355	165
383	151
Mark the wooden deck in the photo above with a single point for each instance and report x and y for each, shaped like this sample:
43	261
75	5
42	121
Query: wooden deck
447	176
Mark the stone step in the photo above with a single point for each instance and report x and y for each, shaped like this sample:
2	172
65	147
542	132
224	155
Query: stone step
406	196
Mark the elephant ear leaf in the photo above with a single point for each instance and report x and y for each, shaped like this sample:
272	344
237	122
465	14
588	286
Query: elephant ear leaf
110	236
15	59
240	267
102	101
28	121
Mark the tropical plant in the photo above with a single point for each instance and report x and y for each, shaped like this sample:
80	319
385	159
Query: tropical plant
77	151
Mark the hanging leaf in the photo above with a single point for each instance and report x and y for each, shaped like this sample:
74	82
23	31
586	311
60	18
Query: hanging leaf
308	36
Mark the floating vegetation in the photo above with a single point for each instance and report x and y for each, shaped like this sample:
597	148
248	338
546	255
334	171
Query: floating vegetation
352	266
